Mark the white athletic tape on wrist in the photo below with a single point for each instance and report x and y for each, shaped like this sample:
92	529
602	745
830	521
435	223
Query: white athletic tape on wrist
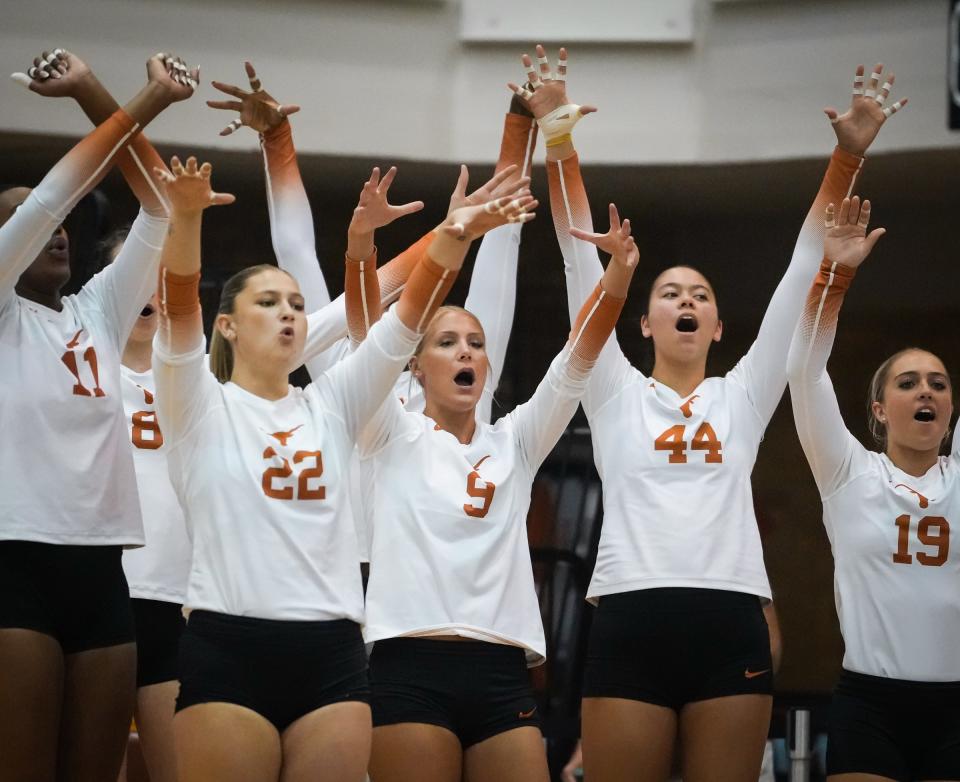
560	121
893	109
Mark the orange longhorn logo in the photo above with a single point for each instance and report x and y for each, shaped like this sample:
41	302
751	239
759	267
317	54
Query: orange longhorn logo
685	407
282	437
924	502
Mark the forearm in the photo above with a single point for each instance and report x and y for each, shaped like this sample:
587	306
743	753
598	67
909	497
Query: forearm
362	292
291	220
430	281
138	160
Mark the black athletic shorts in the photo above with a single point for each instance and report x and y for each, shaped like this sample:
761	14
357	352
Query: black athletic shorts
474	689
893	728
674	646
77	594
282	670
159	625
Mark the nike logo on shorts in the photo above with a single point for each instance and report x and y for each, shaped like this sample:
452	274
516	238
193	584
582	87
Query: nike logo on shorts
525	715
748	674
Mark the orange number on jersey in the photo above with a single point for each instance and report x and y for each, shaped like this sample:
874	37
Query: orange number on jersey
90	356
284	492
304	492
144	422
705	439
672	440
931	531
484	492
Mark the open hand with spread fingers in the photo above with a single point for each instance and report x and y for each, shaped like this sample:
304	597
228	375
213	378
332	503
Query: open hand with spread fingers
500	184
545	94
847	241
470	222
858	126
188	187
621	246
258	109
374	210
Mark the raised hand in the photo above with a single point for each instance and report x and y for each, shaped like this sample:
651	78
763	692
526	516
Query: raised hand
545	94
373	210
56	74
846	241
499	185
470	222
258	109
617	241
172	74
858	126
188	187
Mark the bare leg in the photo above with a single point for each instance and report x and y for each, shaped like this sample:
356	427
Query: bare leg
722	739
627	741
98	696
154	714
223	741
31	691
515	755
331	744
413	750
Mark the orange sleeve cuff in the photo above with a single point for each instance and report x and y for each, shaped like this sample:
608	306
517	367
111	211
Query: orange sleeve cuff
427	288
179	294
842	275
594	324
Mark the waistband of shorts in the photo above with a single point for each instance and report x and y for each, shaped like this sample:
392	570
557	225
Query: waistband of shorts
670	599
420	647
866	685
271	631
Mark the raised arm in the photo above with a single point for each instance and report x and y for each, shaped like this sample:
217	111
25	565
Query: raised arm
542	420
762	372
829	447
180	370
29	229
291	219
363	380
493	284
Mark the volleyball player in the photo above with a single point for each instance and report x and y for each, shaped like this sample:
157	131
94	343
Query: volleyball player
896	709
67	658
679	644
272	666
492	292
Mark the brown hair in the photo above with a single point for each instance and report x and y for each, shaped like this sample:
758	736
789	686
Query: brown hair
682	266
221	351
877	428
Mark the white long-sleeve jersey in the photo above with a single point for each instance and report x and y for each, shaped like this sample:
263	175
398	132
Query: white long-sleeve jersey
449	548
262	483
67	474
678	508
896	579
159	570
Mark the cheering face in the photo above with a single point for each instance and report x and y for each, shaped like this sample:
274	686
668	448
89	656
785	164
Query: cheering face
917	402
682	317
268	324
452	365
50	270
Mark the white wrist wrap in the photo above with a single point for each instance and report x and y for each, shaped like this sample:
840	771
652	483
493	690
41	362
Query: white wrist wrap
560	121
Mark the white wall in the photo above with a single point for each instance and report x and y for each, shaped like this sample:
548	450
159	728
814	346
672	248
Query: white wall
391	79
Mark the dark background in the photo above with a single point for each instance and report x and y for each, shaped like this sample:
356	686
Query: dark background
737	223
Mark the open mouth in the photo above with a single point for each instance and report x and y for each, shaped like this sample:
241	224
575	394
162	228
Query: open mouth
687	323
287	331
925	415
147	311
464	378
58	247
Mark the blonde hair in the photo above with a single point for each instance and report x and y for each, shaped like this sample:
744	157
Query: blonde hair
221	351
441	311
